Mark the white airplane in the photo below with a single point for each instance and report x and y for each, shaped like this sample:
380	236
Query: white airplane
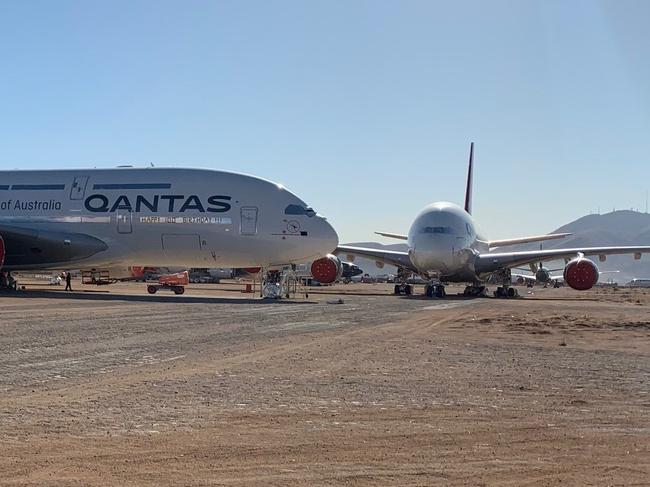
444	245
115	219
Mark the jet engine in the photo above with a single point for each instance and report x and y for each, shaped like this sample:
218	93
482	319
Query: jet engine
327	269
581	274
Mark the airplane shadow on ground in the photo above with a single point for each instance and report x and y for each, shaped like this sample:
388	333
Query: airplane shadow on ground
448	297
343	295
146	298
461	297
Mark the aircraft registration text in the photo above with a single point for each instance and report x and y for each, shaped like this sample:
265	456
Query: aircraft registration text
187	220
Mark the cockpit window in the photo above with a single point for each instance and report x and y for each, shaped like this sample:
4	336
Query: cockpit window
439	230
299	210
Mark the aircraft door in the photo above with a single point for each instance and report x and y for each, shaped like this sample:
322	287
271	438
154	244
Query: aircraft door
124	221
248	224
78	189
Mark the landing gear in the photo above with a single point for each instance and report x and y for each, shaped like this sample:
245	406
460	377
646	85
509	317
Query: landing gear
506	292
270	287
435	290
477	290
504	277
405	289
280	283
401	287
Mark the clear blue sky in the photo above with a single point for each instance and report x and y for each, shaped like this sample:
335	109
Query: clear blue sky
363	108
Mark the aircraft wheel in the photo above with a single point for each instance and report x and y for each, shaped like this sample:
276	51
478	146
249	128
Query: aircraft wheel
512	292
397	289
440	292
428	290
408	290
152	289
179	290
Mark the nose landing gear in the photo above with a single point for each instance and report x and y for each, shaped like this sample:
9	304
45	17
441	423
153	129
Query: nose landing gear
435	290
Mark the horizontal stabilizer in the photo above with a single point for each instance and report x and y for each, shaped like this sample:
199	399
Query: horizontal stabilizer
538	238
392	235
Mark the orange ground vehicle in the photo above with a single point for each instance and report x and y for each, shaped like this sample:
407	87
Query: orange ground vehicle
174	282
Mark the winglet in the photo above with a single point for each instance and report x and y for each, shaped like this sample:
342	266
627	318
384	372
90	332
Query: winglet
470	172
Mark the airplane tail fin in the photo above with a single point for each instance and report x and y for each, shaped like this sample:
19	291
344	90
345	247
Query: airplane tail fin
470	174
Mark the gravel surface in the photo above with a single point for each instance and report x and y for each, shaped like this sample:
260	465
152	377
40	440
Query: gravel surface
217	388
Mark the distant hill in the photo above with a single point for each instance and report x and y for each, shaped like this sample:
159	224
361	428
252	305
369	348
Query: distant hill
623	227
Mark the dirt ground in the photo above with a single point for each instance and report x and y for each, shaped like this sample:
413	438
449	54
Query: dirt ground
215	387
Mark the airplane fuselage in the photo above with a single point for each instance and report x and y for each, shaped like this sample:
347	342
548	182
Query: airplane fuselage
163	217
443	240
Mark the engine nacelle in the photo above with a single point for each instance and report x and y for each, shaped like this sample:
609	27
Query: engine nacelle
327	269
581	274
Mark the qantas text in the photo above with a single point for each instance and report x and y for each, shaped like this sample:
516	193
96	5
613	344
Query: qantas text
99	203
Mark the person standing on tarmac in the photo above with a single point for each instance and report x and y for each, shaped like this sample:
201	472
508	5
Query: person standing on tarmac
68	279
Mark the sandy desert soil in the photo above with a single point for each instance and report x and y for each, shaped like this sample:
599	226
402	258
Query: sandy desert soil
215	387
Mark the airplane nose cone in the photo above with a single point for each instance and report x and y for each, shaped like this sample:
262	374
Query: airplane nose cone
327	236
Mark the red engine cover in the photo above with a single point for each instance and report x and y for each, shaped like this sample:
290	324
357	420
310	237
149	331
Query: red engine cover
326	270
252	270
2	252
581	274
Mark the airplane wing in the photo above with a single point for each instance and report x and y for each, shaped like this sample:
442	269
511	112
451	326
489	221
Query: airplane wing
537	238
398	236
494	261
27	248
390	257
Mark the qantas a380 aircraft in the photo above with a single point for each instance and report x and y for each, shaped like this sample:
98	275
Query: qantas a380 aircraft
444	245
114	219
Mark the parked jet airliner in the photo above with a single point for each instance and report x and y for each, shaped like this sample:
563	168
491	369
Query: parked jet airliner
114	219
444	245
